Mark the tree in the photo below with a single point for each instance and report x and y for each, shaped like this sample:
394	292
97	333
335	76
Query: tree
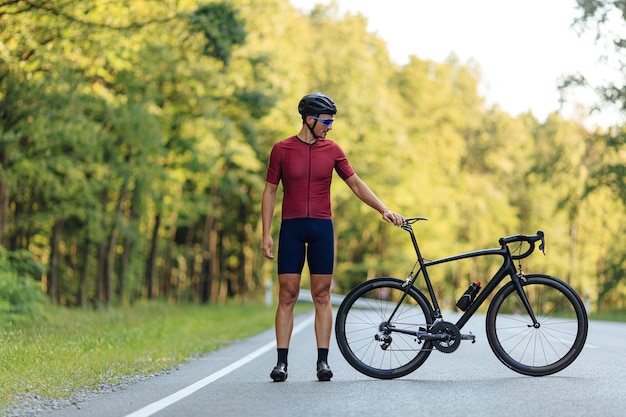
607	19
134	143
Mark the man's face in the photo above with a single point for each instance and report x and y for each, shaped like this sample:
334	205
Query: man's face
322	124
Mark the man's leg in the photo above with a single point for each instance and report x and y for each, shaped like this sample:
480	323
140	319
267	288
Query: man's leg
320	290
288	290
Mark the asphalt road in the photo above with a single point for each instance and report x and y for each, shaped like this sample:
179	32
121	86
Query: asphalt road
469	382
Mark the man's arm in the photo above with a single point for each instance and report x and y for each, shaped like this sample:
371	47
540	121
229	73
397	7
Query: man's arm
267	212
361	190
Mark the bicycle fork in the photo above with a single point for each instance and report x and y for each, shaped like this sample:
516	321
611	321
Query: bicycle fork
517	279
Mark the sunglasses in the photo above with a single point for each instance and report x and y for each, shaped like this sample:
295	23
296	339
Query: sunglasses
325	122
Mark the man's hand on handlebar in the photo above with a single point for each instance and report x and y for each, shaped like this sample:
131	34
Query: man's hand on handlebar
391	217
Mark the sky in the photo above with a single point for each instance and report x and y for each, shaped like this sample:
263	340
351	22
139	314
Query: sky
523	47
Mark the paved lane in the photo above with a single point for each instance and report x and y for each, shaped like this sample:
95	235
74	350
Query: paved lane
468	382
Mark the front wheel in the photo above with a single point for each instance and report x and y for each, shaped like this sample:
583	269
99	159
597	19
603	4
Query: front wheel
376	328
547	347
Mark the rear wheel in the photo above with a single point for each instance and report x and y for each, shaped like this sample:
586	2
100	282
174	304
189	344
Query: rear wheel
542	349
373	328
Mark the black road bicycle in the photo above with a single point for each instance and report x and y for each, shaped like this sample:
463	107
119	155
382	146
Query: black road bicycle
536	324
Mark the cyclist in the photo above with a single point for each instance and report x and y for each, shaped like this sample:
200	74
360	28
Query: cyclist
305	163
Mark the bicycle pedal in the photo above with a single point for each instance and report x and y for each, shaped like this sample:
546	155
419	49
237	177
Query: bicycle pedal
469	336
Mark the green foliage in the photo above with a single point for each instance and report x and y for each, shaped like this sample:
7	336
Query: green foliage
220	26
20	295
133	156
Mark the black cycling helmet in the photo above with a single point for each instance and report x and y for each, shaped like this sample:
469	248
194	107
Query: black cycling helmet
316	104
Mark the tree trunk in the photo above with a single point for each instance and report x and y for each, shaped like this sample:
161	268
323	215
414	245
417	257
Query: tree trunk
242	284
168	267
15	239
53	275
151	261
83	293
108	268
208	260
220	270
101	272
121	278
4	209
115	232
102	257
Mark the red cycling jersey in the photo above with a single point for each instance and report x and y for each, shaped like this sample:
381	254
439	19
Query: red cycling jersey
306	172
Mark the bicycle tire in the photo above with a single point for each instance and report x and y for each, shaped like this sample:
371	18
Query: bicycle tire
542	350
362	313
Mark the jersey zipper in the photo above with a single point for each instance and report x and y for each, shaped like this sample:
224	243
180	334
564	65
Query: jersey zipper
308	184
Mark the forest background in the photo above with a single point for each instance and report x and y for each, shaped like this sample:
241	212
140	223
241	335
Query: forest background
134	139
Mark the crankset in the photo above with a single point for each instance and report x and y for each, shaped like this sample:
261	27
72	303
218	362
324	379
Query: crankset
450	336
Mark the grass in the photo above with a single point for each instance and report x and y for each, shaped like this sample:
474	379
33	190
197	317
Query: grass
609	316
73	350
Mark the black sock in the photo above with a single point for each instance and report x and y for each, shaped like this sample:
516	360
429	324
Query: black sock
282	355
322	355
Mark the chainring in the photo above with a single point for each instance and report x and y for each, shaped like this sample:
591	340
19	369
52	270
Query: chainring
452	342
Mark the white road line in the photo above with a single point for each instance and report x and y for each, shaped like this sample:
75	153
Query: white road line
157	406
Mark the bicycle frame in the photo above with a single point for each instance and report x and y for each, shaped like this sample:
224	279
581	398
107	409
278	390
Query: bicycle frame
506	269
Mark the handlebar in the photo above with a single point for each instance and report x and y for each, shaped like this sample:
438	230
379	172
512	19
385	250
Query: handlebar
411	220
528	239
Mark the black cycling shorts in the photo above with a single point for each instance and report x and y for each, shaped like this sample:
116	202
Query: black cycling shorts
313	238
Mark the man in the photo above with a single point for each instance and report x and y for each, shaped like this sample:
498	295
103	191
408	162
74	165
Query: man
305	163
